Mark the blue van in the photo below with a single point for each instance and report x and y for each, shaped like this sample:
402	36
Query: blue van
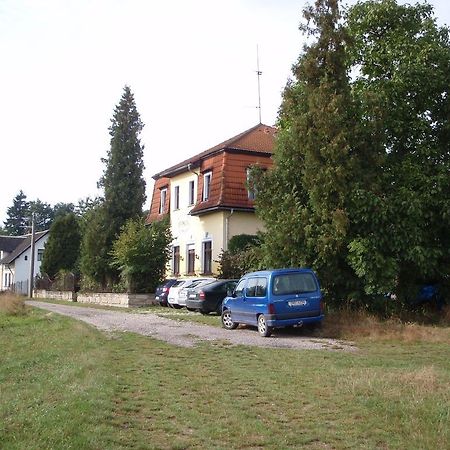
274	299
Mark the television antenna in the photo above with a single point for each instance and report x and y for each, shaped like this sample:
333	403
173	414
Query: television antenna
258	73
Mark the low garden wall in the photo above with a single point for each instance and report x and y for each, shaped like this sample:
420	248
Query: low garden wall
120	300
56	295
106	299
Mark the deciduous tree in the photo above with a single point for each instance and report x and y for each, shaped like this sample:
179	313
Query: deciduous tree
402	86
141	253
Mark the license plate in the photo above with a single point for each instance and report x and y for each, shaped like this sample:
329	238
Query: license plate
297	303
192	296
156	298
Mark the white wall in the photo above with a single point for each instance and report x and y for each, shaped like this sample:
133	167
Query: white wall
22	265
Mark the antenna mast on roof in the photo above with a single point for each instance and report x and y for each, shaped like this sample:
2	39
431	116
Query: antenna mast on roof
258	73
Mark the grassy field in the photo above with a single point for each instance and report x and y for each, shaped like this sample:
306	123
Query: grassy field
65	385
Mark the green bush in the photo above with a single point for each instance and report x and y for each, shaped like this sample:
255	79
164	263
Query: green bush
141	254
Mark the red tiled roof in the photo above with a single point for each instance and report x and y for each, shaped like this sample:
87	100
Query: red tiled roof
154	214
228	162
228	184
259	138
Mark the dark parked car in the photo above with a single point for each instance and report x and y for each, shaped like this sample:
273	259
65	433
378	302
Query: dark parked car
208	298
273	299
162	291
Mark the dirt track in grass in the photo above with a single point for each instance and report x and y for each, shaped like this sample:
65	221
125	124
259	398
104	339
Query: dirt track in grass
188	334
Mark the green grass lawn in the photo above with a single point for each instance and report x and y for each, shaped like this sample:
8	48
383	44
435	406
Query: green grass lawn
65	385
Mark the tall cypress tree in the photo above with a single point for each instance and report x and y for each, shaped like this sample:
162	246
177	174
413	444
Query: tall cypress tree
18	216
122	179
124	190
303	201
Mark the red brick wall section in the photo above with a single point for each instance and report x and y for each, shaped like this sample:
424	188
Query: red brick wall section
235	177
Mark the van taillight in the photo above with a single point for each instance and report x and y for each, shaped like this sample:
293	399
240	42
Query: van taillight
201	295
271	308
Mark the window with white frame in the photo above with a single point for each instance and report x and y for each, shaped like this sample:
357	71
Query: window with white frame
8	280
176	200
191	192
250	188
162	200
40	254
207	257
207	185
191	259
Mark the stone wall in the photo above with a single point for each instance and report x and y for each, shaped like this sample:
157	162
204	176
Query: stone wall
107	299
56	295
119	300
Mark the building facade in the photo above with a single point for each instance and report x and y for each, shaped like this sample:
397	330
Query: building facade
15	264
207	200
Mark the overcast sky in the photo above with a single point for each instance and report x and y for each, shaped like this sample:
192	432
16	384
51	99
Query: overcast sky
190	64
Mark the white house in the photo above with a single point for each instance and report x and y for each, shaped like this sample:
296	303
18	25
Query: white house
15	260
207	200
7	245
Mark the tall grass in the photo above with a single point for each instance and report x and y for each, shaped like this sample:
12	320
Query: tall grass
12	305
349	324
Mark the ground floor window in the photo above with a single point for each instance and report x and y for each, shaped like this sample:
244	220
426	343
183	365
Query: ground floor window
191	259
207	257
8	280
176	260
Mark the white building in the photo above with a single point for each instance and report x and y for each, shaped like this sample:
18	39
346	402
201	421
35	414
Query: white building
15	256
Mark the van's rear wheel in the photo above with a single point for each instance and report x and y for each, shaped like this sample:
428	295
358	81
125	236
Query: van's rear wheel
263	329
227	322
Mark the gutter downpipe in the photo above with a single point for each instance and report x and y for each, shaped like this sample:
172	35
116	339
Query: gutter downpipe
190	170
227	229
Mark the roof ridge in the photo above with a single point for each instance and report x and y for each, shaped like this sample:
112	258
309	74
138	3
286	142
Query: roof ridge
221	146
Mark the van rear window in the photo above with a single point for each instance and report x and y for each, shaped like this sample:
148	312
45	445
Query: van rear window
294	283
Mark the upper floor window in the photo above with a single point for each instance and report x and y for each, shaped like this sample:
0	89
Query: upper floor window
162	200
191	192
207	185
176	200
250	188
40	254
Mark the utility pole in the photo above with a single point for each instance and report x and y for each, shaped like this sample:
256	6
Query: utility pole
31	280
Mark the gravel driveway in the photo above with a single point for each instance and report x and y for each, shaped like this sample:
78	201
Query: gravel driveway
187	334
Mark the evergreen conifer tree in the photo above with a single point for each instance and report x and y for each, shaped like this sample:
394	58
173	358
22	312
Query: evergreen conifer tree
18	216
62	249
313	159
124	191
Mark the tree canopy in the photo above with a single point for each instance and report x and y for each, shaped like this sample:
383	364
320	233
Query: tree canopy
18	216
360	186
141	253
63	246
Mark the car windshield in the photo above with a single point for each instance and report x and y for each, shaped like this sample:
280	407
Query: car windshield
294	283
